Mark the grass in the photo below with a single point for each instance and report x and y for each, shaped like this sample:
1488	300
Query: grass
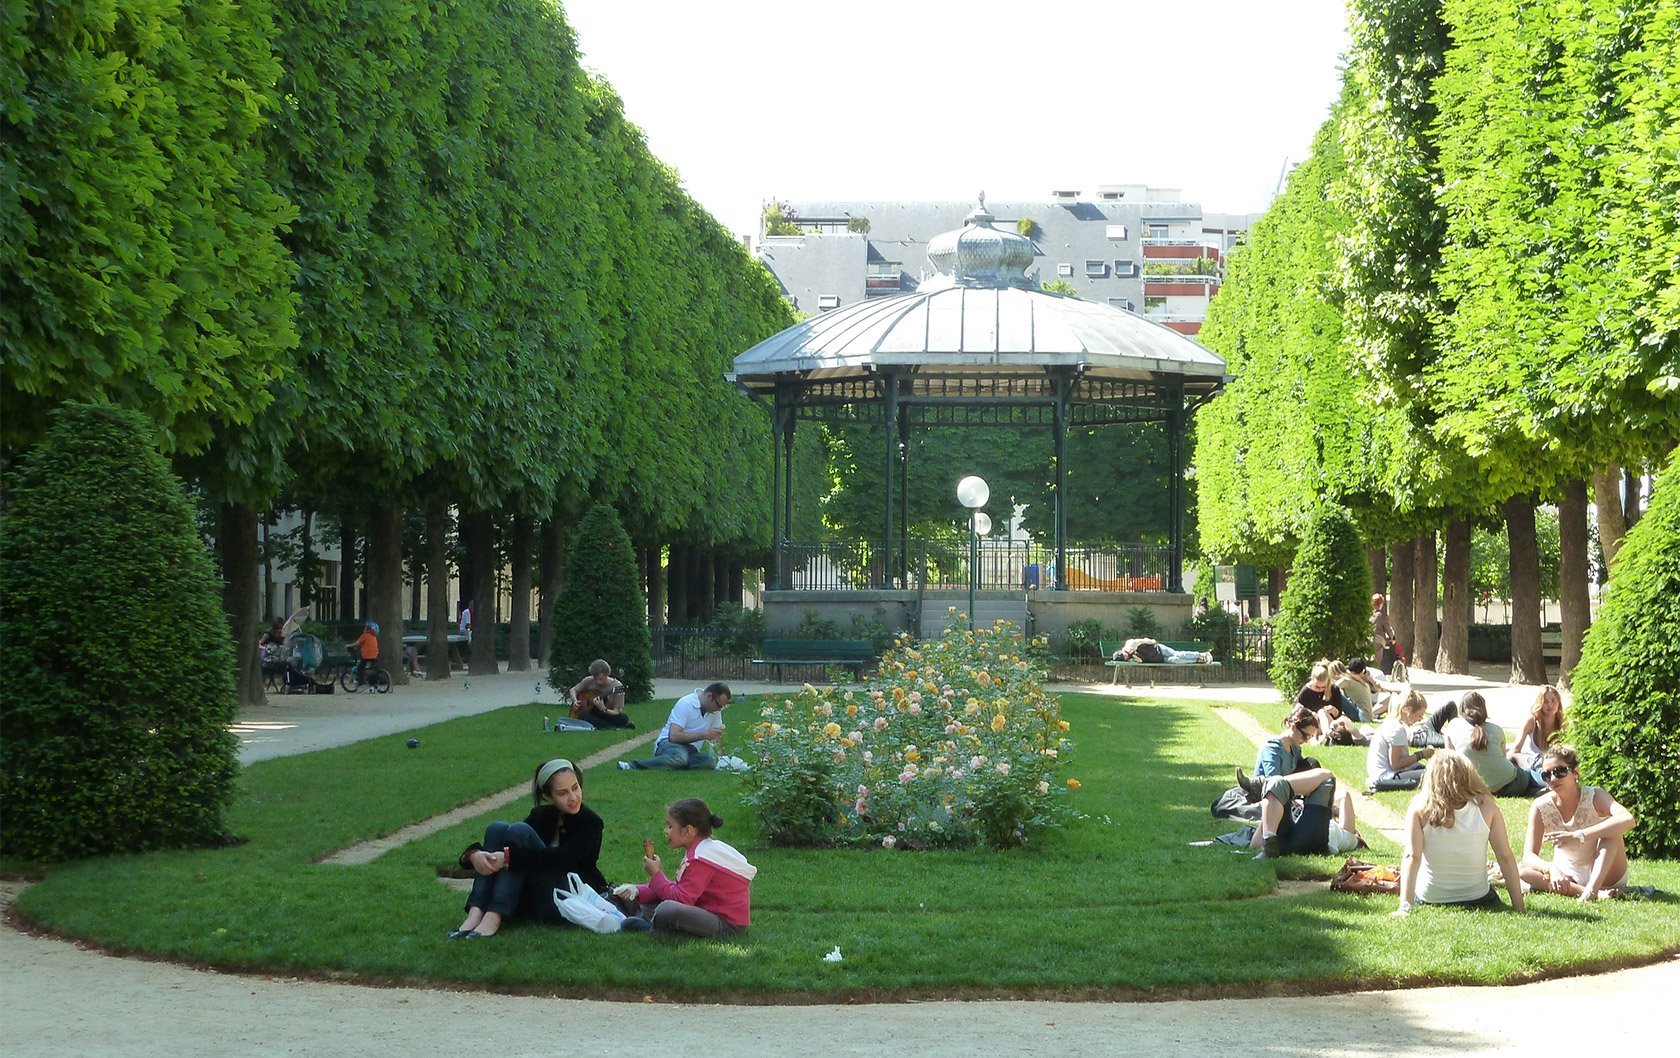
1114	904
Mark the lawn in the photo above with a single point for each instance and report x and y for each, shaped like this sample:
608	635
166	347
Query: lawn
1115	904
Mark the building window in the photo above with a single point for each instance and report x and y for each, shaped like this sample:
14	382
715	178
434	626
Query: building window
1116	231
1065	270
1154	231
1124	269
1153	304
1096	269
827	301
1123	304
1064	195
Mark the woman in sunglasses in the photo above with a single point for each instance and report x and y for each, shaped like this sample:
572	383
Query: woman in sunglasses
1585	826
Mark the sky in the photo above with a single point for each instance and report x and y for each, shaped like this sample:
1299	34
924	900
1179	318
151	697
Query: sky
754	100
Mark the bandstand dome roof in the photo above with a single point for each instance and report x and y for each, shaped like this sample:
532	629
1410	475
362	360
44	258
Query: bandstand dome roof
980	314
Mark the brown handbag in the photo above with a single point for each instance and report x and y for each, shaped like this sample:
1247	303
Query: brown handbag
1365	878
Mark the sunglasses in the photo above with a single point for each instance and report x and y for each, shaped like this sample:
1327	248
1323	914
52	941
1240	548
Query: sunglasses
1556	773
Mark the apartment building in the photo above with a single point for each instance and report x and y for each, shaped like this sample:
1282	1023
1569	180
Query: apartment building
1133	247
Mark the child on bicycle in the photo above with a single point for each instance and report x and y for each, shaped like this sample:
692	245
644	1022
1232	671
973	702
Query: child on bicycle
366	648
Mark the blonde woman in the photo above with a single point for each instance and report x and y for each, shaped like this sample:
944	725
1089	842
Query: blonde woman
1450	825
1585	826
1391	763
1544	725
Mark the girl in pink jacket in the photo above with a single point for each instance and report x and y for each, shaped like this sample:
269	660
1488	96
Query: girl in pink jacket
712	893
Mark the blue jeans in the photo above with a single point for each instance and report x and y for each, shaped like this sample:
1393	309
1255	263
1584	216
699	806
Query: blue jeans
501	892
1309	831
672	756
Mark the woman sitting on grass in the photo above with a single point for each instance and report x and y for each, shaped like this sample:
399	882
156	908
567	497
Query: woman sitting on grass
1449	826
1544	725
1391	763
712	893
1336	715
1472	734
519	864
1585	826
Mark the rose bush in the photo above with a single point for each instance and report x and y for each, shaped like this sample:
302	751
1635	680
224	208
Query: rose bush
953	742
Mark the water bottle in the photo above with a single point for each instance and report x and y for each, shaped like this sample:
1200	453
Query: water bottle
545	723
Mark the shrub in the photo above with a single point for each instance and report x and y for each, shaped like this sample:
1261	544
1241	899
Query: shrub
1083	639
1217	627
953	742
118	659
1625	719
1327	604
1141	623
602	612
739	631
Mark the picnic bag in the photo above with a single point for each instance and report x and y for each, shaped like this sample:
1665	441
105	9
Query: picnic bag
1365	878
583	906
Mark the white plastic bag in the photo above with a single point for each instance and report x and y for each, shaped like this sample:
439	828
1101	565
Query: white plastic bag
732	764
583	906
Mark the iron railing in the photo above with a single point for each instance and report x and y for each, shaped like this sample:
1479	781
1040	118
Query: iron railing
945	564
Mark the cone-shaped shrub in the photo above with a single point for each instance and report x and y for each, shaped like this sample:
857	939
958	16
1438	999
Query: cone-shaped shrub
1625	719
602	611
1327	604
119	668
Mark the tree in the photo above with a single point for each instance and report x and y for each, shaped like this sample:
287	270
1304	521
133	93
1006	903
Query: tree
1326	606
1625	719
601	612
115	650
1062	287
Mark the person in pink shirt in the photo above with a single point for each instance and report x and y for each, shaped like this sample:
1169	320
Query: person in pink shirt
712	893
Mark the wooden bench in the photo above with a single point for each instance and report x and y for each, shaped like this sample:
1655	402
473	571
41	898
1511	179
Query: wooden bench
1551	649
851	653
1109	646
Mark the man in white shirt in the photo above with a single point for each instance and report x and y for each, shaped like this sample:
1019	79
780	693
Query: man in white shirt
465	624
690	737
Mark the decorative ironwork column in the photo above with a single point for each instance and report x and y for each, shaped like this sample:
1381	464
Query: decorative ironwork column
903	497
789	422
776	495
1175	489
889	429
1059	427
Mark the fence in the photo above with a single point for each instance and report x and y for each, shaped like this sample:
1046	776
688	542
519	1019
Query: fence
947	564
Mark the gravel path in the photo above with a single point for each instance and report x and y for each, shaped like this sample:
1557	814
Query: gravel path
64	1000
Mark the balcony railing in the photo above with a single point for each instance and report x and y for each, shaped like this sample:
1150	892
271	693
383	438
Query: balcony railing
944	564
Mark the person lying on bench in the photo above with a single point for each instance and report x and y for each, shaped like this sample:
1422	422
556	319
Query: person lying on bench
1152	652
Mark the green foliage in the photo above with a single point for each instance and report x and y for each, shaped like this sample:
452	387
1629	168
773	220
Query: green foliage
1326	605
952	743
739	631
118	664
1216	627
858	224
780	219
602	612
1141	623
1028	227
1062	287
1625	719
1082	638
140	257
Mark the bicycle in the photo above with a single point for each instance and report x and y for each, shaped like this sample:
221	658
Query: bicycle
352	679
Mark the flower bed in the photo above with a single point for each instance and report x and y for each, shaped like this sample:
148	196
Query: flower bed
952	743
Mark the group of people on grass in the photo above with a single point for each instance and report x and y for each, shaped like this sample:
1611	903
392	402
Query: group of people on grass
519	867
1454	819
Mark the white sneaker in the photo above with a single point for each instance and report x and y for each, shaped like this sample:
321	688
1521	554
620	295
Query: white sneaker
624	765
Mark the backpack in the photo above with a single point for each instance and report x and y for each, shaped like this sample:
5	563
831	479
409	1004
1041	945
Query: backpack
1150	652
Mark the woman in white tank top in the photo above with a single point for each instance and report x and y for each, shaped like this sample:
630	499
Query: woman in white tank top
1449	827
1585	826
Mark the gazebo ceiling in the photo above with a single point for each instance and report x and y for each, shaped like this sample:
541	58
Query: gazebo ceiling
980	316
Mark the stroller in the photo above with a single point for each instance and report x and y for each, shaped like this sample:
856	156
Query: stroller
301	656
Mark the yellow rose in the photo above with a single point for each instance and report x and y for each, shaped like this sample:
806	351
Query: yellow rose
999	723
1073	784
831	729
1062	725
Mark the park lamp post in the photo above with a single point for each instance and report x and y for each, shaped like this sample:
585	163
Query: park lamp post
973	492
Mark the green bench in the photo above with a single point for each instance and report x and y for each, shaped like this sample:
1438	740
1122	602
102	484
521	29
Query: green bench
851	653
1551	649
1109	646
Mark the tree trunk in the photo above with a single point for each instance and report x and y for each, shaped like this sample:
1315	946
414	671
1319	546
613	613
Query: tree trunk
1400	599
1377	559
656	586
1454	653
1632	503
1426	603
1612	524
348	565
267	600
519	620
481	568
737	583
439	617
308	574
552	576
1528	662
384	586
236	543
677	584
464	575
1573	604
1274	590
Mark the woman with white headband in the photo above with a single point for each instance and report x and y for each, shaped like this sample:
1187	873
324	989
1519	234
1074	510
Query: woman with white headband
519	864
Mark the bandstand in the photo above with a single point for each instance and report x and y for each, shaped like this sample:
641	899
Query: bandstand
977	344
